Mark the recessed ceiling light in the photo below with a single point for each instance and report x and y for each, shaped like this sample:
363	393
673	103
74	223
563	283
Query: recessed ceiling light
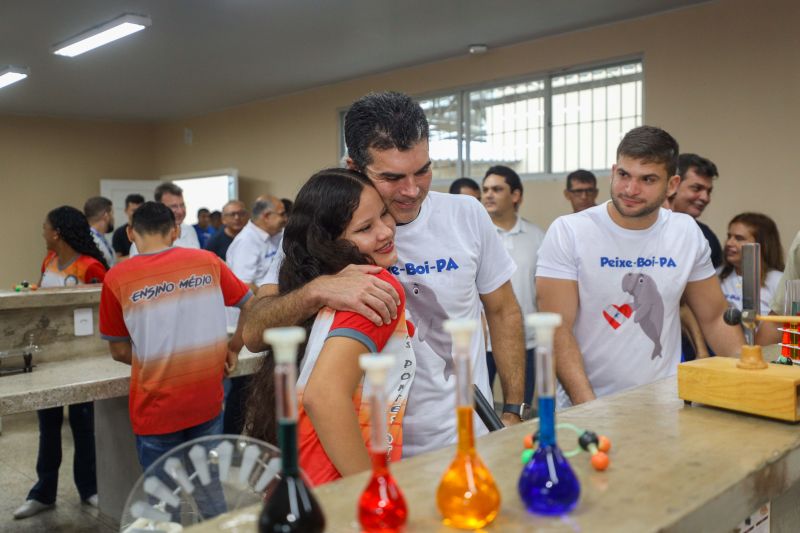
476	49
118	28
9	75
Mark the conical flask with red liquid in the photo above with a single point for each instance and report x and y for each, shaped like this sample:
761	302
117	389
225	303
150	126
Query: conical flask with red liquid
292	506
382	507
467	497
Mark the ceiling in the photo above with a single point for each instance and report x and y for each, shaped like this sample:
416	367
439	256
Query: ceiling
204	55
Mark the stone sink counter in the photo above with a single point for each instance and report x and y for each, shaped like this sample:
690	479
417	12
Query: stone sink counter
46	318
77	380
86	296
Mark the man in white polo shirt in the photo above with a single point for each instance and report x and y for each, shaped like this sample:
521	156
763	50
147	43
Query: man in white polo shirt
249	257
253	249
502	196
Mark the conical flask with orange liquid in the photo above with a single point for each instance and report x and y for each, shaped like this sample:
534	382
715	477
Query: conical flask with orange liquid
467	496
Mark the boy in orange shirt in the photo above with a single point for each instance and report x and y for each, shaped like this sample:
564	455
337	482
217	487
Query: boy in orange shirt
163	312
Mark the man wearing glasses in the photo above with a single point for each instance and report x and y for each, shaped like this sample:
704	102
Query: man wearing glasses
252	251
581	190
234	217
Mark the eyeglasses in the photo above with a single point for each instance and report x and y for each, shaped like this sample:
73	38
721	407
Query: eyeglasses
582	192
240	214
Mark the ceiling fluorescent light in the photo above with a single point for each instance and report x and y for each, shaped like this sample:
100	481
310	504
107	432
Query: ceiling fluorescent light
9	75
99	35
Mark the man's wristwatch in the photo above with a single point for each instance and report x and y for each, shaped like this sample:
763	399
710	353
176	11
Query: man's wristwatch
522	410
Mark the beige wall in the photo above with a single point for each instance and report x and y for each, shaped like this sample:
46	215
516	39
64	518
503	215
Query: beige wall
722	77
45	163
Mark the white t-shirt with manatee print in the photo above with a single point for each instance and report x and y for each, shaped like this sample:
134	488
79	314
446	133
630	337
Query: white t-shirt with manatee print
630	284
447	257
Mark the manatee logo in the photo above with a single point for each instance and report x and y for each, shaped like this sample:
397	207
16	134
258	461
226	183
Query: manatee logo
428	316
647	306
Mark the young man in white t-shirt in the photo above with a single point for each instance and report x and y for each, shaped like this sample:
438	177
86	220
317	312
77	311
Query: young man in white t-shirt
450	261
616	273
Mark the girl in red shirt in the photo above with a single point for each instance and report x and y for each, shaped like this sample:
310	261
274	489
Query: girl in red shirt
338	219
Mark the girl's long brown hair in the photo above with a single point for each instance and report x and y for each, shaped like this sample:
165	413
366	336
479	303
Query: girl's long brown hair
313	246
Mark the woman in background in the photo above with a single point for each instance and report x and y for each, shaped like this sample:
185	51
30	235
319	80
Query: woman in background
72	259
750	228
72	256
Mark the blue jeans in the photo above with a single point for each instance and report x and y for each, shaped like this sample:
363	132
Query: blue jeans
210	499
235	404
530	373
81	422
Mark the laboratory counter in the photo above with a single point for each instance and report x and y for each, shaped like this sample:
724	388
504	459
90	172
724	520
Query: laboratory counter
71	364
82	379
47	298
674	467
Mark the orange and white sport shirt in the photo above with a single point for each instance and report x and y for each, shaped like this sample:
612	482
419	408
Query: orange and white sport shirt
171	306
82	270
393	338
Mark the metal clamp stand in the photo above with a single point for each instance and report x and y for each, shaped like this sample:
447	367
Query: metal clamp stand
747	384
27	357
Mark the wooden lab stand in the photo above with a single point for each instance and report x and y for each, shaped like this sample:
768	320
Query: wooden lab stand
749	384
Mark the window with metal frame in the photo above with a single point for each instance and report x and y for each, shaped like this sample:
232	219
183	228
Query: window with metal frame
541	127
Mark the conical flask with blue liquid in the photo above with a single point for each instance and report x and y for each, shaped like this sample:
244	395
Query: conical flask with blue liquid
547	485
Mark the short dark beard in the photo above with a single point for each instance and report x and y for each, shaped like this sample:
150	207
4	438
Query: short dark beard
646	210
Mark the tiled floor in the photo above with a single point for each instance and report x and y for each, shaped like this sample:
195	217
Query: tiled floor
18	448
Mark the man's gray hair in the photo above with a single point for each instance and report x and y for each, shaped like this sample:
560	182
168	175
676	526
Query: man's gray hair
261	205
234	202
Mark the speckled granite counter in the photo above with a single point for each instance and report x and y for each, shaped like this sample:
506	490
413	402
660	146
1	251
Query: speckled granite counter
673	469
86	295
82	379
46	318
